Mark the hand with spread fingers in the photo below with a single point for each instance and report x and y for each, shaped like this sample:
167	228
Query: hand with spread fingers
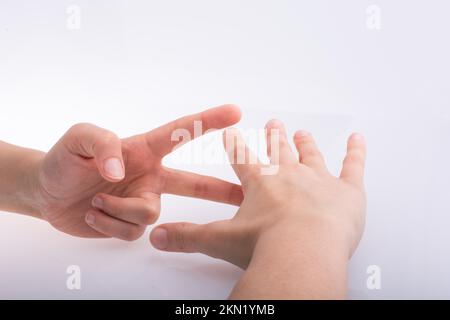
93	184
297	226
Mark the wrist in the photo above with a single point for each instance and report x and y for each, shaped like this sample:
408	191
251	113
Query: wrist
19	170
323	231
31	195
310	256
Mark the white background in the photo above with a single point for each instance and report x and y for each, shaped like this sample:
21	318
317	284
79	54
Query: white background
135	65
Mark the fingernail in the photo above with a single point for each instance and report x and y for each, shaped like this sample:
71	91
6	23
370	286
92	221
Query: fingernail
302	133
358	136
97	203
114	168
90	219
159	238
274	123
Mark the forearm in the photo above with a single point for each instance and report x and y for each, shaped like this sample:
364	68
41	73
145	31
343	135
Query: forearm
18	179
296	262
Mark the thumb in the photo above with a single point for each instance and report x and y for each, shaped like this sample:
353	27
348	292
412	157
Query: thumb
221	240
186	237
91	142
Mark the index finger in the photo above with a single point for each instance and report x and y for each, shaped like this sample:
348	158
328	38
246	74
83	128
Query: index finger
164	139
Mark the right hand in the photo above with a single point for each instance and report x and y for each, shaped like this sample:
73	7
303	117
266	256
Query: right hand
302	194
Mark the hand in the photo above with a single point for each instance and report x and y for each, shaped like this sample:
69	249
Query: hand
301	195
92	184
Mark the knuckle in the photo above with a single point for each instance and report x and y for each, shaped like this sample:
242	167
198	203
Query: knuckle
275	142
151	207
151	213
282	141
152	219
109	136
251	175
354	158
179	236
133	233
79	127
200	187
311	152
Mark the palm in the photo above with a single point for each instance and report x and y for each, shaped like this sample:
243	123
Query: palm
69	181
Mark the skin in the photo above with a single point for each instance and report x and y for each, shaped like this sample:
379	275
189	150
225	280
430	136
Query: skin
295	230
291	249
93	184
